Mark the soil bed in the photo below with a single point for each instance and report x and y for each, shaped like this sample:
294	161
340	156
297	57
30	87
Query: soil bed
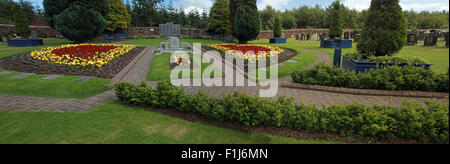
25	63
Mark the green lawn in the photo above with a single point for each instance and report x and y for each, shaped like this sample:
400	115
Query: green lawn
6	51
61	87
438	56
283	71
160	70
114	123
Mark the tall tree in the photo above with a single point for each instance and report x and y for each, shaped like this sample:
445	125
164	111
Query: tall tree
118	17
335	19
384	31
268	16
21	24
277	29
288	21
219	18
246	23
77	20
234	5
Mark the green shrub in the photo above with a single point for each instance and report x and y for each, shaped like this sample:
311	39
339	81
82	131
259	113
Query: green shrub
246	23
427	123
21	24
387	78
277	28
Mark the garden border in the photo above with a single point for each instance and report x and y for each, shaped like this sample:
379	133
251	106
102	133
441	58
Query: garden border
371	92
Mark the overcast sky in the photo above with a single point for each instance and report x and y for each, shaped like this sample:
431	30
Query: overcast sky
417	5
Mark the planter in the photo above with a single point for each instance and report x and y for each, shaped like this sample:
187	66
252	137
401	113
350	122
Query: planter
278	40
25	43
362	66
332	44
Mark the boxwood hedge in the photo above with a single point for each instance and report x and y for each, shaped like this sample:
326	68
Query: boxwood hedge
427	123
387	78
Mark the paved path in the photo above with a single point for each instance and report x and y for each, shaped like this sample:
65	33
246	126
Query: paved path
137	71
134	73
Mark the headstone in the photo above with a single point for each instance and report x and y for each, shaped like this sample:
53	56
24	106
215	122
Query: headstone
297	37
314	37
163	45
23	75
283	35
33	35
51	77
347	35
169	30
446	39
174	42
185	45
84	78
4	72
1	38
308	37
411	39
421	36
357	37
292	61
430	40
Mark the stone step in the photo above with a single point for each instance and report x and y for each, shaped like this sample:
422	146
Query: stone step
23	75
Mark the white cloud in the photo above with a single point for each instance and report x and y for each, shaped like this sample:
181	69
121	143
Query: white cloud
417	5
276	4
188	5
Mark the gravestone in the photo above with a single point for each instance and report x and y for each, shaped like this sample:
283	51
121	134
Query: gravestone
446	39
283	35
430	40
308	37
314	37
174	42
163	45
51	77
169	30
84	78
185	45
297	37
33	35
421	36
4	72
347	35
1	38
23	75
357	36
411	39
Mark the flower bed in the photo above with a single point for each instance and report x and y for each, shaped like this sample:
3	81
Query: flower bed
240	51
85	55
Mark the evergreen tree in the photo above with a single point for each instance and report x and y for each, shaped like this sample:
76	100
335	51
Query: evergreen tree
234	5
384	31
219	21
77	20
335	20
246	23
277	29
288	21
21	24
118	17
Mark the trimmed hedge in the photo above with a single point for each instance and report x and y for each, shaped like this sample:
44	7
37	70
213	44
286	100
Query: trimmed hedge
412	121
387	78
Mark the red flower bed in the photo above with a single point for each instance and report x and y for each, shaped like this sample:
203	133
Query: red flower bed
83	51
247	48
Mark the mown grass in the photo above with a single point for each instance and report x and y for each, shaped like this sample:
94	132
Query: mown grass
438	56
156	42
6	50
118	124
160	69
61	87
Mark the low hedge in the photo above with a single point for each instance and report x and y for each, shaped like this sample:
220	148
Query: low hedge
387	78
412	121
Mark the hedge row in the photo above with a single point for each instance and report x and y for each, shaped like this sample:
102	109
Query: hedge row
388	78
412	121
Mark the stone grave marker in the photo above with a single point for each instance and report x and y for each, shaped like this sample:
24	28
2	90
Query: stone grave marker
411	39
33	35
446	39
1	38
51	77
84	78
4	72
357	37
169	30
347	35
23	75
163	45
174	42
292	61
430	40
185	45
314	37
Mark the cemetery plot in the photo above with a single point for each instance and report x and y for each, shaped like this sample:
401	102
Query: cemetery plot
102	60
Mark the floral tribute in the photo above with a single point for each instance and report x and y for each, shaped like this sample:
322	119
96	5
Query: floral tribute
84	55
260	51
180	59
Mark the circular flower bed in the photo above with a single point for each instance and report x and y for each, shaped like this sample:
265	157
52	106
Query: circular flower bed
241	51
85	55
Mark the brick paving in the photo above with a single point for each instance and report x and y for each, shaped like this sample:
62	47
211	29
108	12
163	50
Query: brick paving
137	71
